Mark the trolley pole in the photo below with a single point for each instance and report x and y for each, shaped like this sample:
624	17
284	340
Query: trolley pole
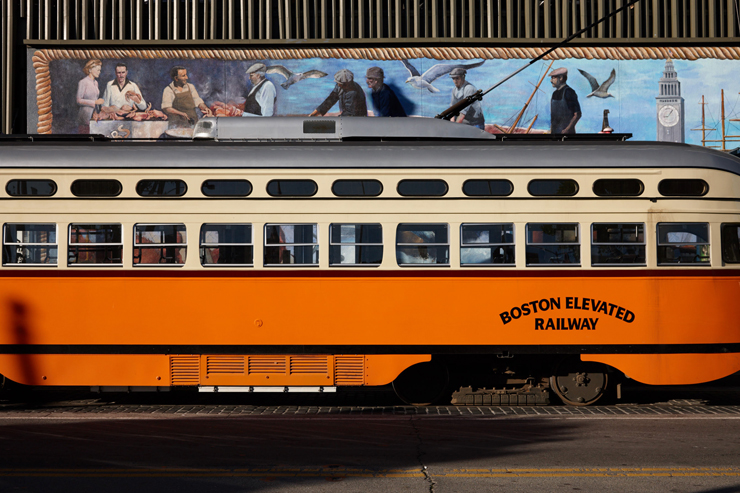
456	108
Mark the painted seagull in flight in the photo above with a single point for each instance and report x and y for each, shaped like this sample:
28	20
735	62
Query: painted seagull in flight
435	72
600	91
292	78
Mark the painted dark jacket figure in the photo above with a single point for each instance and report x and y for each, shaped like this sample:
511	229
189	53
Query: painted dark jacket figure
351	100
386	103
563	105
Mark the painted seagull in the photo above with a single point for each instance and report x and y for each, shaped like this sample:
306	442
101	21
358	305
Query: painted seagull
600	91
292	78
425	81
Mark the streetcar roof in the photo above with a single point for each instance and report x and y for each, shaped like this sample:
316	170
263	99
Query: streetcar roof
411	147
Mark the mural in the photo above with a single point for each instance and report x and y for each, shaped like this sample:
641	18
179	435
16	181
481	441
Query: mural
655	94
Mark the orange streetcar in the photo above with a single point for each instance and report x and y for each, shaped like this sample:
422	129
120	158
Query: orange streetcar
311	254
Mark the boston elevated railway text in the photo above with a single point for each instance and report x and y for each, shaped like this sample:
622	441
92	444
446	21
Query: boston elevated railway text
571	303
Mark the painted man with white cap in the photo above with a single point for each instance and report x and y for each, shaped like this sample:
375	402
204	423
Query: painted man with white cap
261	98
565	111
473	114
348	93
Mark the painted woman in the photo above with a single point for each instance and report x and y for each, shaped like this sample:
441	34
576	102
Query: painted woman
88	95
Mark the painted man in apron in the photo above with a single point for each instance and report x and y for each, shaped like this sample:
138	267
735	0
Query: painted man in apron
564	108
180	99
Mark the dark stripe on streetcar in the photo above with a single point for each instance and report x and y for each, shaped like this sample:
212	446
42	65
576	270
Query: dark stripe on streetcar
177	349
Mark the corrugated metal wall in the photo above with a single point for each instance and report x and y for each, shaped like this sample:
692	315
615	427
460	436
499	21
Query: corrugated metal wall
352	21
371	19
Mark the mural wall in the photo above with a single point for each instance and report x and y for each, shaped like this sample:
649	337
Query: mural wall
655	94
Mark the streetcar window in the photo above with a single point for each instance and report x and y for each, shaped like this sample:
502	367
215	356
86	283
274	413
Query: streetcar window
683	243
731	243
160	244
292	188
617	244
488	188
161	188
226	188
357	188
553	244
422	188
355	245
26	188
552	188
95	244
96	188
624	187
29	244
226	245
291	244
683	187
422	244
487	244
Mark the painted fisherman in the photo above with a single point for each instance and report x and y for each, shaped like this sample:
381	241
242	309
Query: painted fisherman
348	93
565	111
473	114
385	101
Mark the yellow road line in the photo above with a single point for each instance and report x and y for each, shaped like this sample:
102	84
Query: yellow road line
382	473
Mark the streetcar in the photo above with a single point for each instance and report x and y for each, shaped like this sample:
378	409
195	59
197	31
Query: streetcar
299	254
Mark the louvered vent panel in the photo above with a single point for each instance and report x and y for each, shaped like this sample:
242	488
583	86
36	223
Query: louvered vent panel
309	364
225	364
185	370
266	364
349	370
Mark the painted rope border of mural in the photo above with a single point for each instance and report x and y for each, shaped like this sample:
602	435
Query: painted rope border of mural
42	58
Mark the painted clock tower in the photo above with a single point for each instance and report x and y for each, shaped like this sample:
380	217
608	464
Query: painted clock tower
670	107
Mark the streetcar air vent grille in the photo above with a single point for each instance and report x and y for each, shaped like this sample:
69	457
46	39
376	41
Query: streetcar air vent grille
309	364
225	364
349	370
185	370
266	364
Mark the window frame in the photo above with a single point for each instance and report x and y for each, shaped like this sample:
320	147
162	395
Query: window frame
159	245
265	245
643	244
421	264
405	181
20	195
658	245
722	240
202	245
80	264
283	195
666	180
534	180
83	196
174	196
511	185
578	243
596	182
334	183
25	264
381	244
217	196
483	245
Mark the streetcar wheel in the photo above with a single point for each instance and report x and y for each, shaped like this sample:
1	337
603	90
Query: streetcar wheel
422	384
579	383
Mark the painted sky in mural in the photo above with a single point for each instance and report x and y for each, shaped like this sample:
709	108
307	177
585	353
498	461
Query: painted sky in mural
632	109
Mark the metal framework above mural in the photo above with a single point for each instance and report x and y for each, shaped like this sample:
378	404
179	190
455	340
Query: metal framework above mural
410	20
